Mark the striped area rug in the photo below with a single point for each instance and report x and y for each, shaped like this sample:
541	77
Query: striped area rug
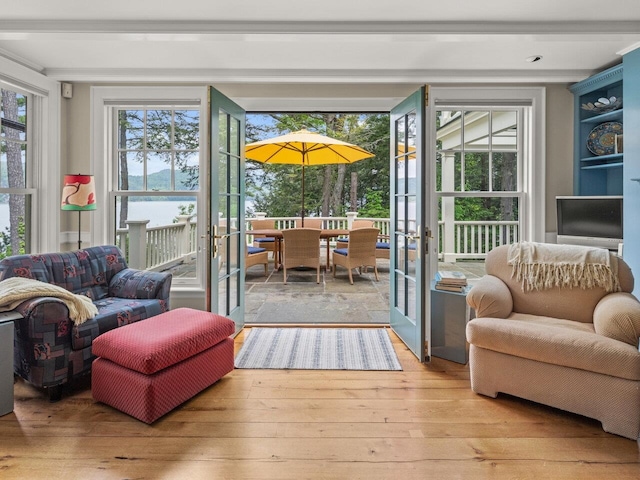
318	349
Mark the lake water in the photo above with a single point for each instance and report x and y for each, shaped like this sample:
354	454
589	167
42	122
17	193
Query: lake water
159	213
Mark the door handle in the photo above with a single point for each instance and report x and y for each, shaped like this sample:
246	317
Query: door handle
214	241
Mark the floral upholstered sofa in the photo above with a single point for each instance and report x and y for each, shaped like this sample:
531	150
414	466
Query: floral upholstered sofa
50	348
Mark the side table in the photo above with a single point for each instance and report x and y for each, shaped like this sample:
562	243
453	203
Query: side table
449	316
6	361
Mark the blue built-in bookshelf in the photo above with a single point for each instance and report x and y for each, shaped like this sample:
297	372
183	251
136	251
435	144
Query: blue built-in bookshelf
599	172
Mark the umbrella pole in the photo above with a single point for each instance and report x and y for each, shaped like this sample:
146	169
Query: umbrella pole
302	214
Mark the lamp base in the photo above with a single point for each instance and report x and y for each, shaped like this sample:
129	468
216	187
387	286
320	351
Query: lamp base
79	230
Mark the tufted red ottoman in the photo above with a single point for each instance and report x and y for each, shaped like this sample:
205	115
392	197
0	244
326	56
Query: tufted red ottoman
148	368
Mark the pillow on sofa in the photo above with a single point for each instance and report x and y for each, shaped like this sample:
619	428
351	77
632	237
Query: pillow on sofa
617	316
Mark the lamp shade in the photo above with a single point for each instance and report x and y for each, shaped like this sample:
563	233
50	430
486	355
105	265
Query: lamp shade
78	193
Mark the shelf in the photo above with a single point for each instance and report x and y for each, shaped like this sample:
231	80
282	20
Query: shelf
602	166
596	174
615	116
603	158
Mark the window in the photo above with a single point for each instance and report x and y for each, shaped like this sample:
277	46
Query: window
149	153
15	173
157	165
479	160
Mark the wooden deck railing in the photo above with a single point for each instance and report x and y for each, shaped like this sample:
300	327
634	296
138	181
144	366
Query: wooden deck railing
159	248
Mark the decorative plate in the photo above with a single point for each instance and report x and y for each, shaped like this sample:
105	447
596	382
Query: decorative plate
602	139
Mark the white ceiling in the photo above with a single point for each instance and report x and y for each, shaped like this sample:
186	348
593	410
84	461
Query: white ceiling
366	47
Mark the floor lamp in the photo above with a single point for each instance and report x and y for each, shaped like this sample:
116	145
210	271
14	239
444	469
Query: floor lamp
79	194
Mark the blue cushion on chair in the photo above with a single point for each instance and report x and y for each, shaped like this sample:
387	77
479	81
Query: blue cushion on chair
342	239
264	239
411	246
341	251
252	250
382	245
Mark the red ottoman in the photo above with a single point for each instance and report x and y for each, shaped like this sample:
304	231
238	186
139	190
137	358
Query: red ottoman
148	368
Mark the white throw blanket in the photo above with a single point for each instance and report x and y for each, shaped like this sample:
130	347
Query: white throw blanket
16	290
540	265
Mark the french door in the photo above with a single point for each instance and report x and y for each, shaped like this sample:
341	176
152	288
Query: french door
410	214
225	282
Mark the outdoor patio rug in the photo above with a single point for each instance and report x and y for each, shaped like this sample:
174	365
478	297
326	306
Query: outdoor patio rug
318	349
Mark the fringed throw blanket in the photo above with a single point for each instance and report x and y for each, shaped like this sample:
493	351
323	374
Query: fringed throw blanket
540	266
16	290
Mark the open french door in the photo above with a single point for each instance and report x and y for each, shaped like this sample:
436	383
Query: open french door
410	219
225	281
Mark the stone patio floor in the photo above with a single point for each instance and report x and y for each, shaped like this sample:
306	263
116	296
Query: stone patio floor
334	301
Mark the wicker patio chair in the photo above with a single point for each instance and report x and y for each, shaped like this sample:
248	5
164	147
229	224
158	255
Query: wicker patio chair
301	248
361	252
309	223
344	242
256	256
261	241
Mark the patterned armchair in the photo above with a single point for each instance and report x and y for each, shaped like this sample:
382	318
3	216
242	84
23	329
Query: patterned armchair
49	348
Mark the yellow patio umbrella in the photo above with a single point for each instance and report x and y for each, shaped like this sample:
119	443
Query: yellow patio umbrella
304	148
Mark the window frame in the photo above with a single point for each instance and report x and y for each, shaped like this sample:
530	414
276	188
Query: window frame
531	149
43	152
105	101
27	190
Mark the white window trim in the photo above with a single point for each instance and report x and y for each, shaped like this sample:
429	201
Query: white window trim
103	99
533	176
44	150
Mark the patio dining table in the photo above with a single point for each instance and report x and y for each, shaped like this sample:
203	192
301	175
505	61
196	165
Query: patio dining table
325	234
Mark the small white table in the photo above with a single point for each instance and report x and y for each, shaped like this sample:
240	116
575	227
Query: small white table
6	361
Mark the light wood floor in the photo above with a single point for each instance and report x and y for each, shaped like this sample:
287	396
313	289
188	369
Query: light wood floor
421	423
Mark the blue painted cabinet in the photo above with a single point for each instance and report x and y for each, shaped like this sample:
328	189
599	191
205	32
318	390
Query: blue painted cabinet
598	147
631	191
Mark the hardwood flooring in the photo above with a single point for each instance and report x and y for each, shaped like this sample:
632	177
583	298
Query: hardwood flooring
421	423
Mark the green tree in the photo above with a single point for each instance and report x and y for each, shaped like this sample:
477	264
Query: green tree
13	148
276	189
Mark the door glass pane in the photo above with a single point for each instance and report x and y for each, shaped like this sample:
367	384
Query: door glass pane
222	298
223	172
234	243
234	211
412	221
234	291
234	174
401	149
411	299
223	130
234	136
401	298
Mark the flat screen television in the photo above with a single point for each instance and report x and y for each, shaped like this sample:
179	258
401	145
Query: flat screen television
590	221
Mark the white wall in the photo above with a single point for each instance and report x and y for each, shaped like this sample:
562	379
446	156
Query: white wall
559	166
